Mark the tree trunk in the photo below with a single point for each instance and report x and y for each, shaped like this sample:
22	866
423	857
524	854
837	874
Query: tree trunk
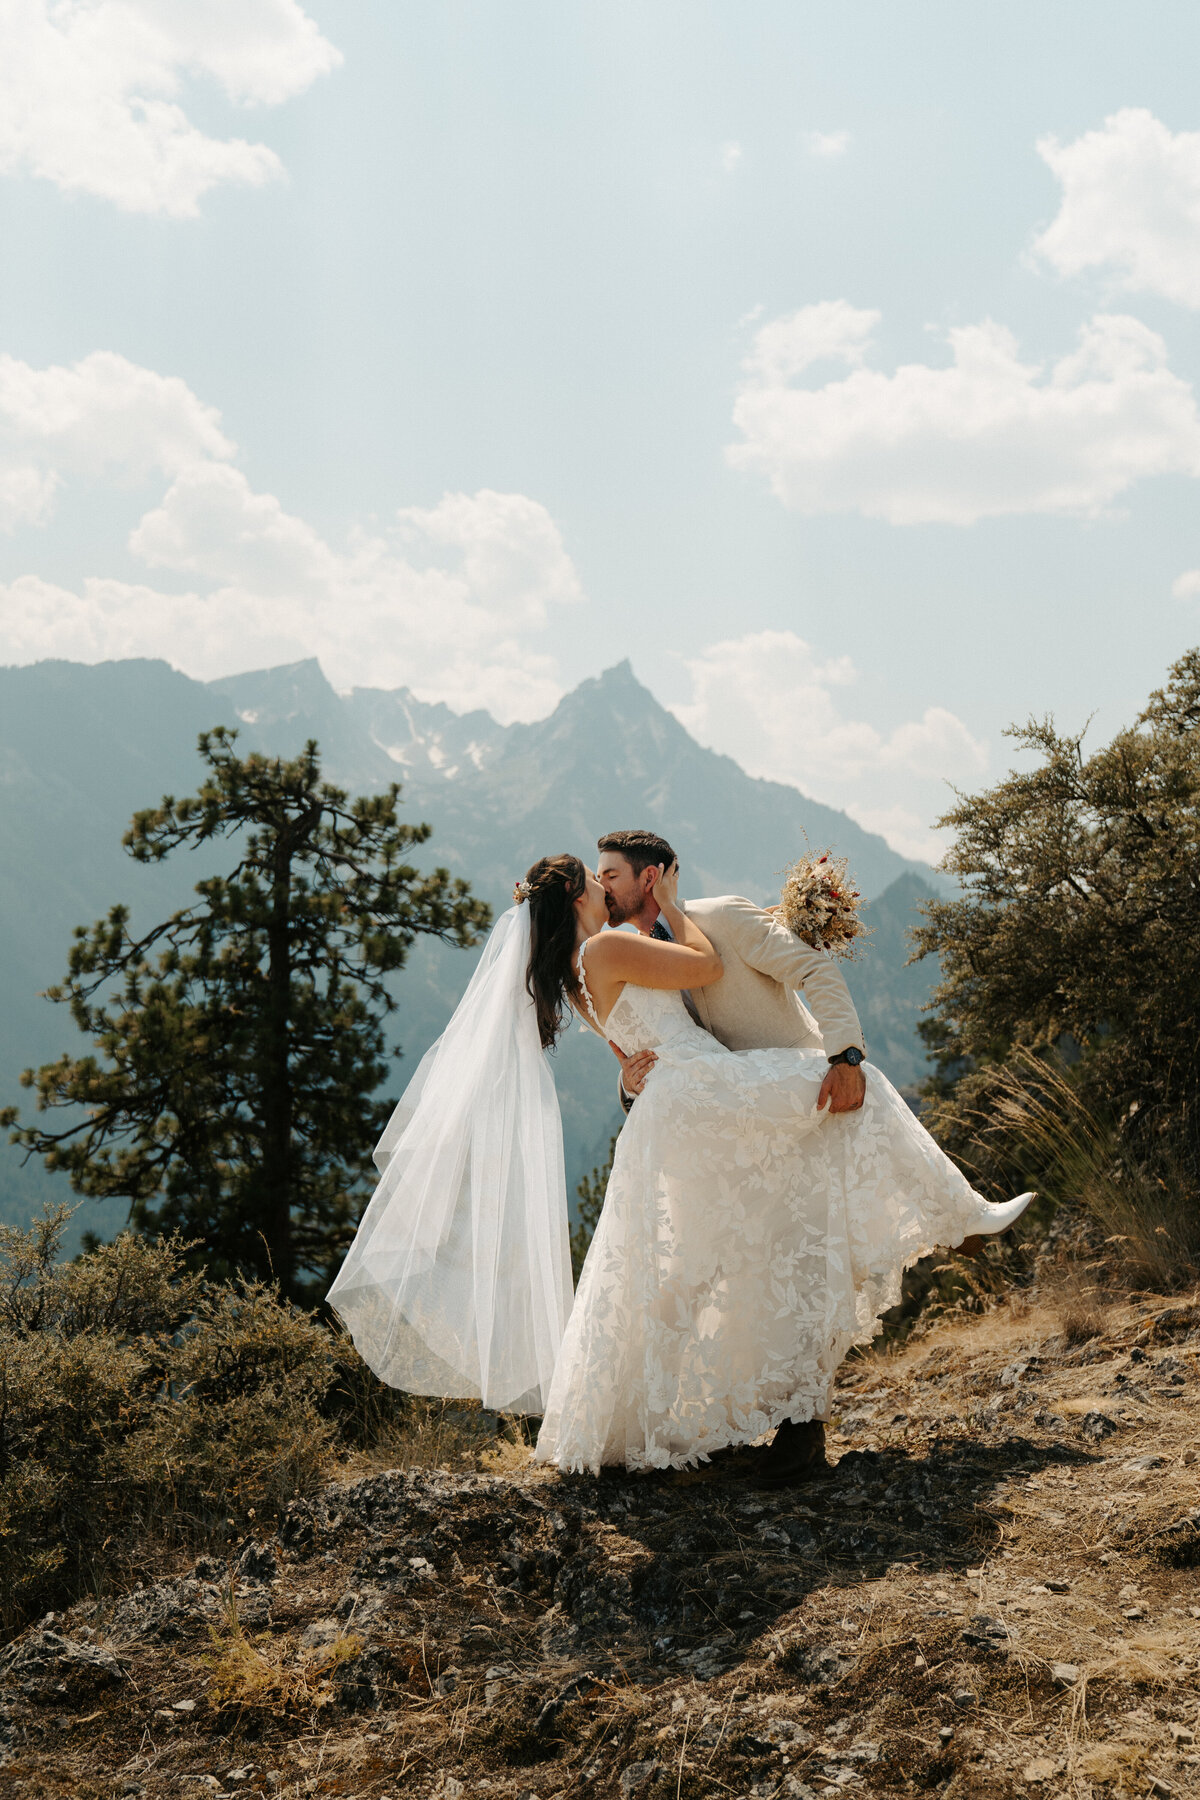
277	1103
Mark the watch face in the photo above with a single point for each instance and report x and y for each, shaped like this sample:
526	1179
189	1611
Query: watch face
854	1057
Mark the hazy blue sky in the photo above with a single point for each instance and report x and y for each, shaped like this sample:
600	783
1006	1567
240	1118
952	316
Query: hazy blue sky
834	362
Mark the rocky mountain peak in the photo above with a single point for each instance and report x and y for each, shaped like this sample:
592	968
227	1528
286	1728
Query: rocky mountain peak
288	691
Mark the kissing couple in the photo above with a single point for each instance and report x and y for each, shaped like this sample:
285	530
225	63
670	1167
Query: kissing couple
768	1189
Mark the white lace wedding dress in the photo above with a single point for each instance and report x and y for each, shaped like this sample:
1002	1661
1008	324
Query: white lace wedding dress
746	1242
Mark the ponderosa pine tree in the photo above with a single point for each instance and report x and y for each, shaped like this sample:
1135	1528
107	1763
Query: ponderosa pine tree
239	1043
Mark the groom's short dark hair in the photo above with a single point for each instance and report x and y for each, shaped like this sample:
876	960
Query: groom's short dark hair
639	848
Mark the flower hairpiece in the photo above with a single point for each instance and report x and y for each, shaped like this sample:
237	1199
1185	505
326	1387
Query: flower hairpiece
521	891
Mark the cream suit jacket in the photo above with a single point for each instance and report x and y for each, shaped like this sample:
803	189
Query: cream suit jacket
755	1005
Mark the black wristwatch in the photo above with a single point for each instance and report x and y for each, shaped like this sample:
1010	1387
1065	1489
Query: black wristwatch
853	1056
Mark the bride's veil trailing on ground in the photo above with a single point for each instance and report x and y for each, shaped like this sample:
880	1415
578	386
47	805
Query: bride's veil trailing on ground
459	1280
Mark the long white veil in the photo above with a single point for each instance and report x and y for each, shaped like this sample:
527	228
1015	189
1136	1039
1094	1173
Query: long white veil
459	1280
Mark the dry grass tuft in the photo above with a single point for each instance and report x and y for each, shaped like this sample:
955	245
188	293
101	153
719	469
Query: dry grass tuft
1113	1762
459	1436
1147	1215
265	1675
1081	1316
1151	1659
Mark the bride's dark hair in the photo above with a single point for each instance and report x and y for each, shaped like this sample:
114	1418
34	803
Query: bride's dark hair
554	883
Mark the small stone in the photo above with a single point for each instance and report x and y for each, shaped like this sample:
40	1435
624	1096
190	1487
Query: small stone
1098	1425
1058	1587
258	1562
243	1774
1152	1461
1065	1674
183	1706
1158	1787
946	1733
496	1680
636	1776
920	1665
965	1698
1134	1612
320	1633
1042	1768
43	1663
1183	1734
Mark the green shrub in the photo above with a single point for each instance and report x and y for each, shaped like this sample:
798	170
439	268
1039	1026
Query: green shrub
138	1402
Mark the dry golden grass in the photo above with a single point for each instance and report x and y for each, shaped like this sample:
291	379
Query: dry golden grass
456	1435
1148	1215
267	1675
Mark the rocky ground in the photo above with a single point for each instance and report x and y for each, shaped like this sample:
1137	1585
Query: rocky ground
995	1595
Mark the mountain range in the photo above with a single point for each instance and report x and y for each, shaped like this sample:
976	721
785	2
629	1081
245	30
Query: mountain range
83	746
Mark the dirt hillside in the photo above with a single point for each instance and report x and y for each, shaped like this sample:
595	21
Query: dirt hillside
996	1594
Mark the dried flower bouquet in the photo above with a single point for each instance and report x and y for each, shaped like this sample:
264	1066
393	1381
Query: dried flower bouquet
820	904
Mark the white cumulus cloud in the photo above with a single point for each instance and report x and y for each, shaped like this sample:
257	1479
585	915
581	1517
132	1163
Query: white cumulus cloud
101	416
827	144
1187	585
771	702
447	599
1130	204
90	92
980	437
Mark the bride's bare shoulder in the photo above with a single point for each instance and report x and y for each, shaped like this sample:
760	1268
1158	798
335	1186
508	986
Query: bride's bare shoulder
597	951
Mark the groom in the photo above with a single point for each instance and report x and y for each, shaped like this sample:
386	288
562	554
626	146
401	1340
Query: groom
756	1005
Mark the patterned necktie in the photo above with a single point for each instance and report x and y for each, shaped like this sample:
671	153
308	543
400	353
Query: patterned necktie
659	930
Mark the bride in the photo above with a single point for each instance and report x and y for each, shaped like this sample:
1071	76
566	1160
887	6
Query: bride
748	1237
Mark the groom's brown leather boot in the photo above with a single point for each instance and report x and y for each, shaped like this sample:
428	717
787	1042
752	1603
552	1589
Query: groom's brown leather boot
796	1454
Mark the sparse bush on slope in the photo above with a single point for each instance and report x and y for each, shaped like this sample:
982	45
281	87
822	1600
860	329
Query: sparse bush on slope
145	1406
140	1401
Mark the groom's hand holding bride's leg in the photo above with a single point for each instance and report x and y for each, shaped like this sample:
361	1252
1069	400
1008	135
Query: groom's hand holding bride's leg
843	1089
634	1069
